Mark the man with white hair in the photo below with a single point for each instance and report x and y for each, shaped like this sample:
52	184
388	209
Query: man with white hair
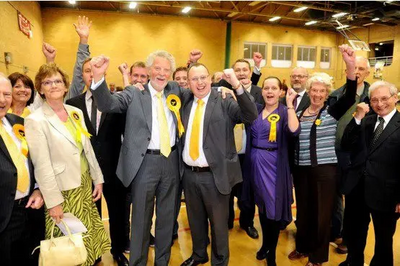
149	155
374	143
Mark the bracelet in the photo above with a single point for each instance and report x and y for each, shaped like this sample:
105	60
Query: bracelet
290	108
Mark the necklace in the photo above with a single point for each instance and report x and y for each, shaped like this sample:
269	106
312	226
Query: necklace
316	112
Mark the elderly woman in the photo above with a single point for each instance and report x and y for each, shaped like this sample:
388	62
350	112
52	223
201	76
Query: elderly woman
314	173
23	95
264	170
64	161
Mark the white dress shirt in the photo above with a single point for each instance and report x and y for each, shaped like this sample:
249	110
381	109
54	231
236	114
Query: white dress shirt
8	128
201	161
299	98
89	101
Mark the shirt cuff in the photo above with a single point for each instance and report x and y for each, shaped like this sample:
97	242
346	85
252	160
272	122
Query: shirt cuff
36	186
358	122
257	70
94	86
240	90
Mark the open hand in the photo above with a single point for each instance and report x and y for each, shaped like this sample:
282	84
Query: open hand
82	27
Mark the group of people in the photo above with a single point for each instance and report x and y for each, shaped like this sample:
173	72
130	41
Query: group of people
212	136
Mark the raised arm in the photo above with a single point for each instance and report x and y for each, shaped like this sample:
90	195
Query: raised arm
352	131
49	52
256	75
124	69
194	56
293	121
82	28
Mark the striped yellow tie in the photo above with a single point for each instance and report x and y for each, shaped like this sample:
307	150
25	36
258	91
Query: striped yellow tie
18	159
194	150
238	134
165	146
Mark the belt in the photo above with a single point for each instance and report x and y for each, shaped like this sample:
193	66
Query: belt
21	201
157	152
266	149
198	169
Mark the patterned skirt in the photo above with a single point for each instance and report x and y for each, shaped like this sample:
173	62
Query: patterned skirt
79	202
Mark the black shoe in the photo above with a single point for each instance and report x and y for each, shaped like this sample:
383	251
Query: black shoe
152	240
251	232
191	262
261	254
121	260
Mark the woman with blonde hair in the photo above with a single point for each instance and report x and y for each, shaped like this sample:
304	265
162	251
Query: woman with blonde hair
64	161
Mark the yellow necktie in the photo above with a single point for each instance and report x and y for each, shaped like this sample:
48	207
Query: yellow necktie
18	160
238	133
165	146
194	150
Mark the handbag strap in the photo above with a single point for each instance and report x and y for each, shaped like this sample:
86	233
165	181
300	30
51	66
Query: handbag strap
66	227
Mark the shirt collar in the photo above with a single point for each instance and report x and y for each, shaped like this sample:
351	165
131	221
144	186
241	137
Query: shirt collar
153	91
5	122
88	95
205	99
301	94
387	117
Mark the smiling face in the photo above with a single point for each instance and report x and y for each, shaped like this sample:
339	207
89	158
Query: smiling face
5	96
139	75
53	87
242	70
159	73
21	92
382	102
318	93
181	78
271	91
298	79
199	81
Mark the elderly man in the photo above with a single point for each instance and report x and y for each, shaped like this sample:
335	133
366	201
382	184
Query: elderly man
212	166
17	192
362	72
149	159
374	143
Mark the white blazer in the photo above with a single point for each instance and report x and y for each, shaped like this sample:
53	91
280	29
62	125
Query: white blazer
55	155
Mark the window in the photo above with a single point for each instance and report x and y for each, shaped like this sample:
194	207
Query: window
251	47
281	55
306	56
381	52
325	61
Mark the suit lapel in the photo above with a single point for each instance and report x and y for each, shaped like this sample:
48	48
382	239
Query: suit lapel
102	118
146	105
391	127
56	123
304	102
167	92
208	113
186	113
83	107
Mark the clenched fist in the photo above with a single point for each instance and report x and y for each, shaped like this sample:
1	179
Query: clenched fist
99	66
361	110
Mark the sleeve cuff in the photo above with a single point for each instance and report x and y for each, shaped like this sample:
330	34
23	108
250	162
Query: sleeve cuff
240	90
358	122
256	70
94	86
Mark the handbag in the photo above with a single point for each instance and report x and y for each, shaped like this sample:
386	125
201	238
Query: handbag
66	250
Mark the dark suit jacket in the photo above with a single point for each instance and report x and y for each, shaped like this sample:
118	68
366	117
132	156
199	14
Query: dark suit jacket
220	118
107	143
8	177
377	166
305	102
255	91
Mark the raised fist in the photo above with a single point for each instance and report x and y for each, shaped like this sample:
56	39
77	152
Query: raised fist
49	52
257	57
99	66
195	55
230	76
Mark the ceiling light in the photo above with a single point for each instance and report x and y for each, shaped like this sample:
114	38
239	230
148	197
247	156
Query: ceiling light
275	18
376	49
311	23
339	15
368	24
232	14
299	9
342	27
186	9
132	5
375	19
381	43
72	2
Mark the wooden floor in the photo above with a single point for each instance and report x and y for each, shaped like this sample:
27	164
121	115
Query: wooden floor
243	249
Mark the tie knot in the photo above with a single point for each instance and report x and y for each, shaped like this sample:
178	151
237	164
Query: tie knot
381	120
159	95
200	102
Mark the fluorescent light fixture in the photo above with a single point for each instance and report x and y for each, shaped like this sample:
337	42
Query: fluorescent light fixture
381	43
299	9
275	18
186	9
368	24
311	23
376	49
132	5
339	15
232	14
72	2
342	27
375	19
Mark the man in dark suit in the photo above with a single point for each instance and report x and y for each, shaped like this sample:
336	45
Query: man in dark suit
106	130
298	80
212	166
149	159
17	192
373	181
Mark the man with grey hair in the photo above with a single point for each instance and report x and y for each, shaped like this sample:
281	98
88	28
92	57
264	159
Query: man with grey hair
149	159
338	222
373	142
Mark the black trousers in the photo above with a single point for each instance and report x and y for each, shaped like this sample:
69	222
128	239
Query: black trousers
115	196
19	239
315	189
356	221
247	211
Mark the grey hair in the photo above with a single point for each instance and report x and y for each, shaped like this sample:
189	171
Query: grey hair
2	76
380	84
362	58
163	54
300	67
320	77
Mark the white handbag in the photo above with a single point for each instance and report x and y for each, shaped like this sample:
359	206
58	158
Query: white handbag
67	250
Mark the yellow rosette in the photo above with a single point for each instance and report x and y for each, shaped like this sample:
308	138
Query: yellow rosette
318	122
174	104
273	119
19	132
79	129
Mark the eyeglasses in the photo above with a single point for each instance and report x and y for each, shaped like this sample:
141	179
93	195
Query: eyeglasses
298	76
48	83
201	78
382	100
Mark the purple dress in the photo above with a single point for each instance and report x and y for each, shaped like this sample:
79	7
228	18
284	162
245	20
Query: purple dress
264	165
